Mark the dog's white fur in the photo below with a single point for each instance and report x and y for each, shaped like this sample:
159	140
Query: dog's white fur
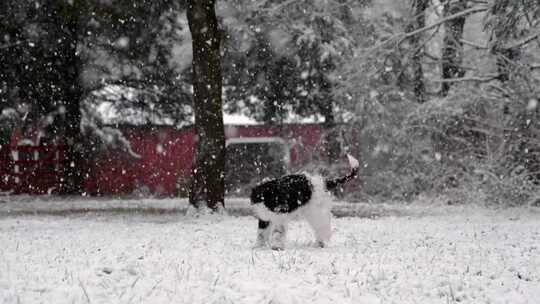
316	212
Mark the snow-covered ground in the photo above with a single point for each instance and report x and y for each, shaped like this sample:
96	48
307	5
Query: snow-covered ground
447	255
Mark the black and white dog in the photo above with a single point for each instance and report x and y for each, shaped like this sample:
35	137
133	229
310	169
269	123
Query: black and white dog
278	201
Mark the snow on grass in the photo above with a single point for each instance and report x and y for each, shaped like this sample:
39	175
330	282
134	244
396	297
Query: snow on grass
471	255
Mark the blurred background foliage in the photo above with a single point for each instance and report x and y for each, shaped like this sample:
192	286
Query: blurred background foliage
435	97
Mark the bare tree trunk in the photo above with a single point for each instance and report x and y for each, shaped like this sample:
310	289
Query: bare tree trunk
332	148
207	184
452	52
419	87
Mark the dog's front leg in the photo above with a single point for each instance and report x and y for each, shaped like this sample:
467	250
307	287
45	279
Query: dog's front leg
263	233
279	236
320	222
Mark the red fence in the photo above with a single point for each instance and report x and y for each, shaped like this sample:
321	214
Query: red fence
31	169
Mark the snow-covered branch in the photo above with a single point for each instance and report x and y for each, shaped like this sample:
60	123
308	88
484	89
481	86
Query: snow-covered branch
114	136
109	136
400	37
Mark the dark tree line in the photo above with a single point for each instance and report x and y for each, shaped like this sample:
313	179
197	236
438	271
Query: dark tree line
41	70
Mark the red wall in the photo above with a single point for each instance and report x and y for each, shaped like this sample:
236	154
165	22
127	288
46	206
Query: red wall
166	156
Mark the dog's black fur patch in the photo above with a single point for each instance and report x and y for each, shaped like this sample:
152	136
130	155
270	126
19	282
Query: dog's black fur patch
284	194
263	224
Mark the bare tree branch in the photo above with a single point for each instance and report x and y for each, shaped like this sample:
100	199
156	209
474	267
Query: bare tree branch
485	78
278	7
398	38
466	12
474	45
524	41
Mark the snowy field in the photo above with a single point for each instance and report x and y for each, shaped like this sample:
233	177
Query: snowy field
446	255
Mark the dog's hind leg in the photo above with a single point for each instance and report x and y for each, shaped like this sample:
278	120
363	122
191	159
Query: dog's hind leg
320	222
263	233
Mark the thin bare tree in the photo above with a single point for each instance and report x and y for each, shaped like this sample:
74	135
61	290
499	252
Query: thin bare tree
452	49
419	22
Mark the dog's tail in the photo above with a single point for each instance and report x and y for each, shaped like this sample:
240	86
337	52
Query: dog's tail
332	184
